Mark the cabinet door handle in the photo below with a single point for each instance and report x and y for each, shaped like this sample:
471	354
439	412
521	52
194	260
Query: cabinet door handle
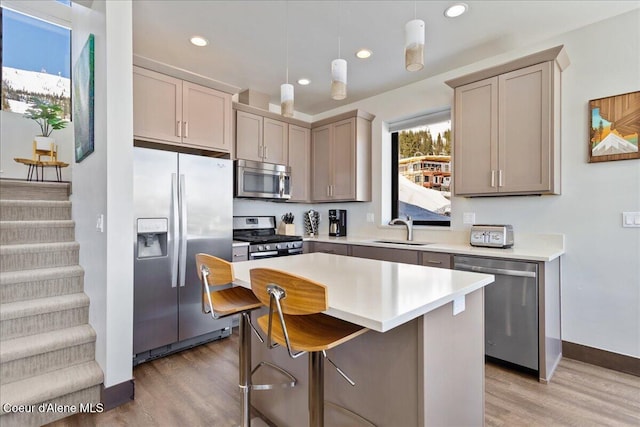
186	129
500	178
266	152
328	191
179	129
493	178
433	262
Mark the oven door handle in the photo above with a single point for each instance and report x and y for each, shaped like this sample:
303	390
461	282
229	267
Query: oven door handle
263	254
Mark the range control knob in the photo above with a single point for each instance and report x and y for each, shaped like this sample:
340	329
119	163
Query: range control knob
289	245
260	247
278	246
267	247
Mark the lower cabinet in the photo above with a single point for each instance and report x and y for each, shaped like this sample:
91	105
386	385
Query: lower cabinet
406	256
329	248
240	253
436	259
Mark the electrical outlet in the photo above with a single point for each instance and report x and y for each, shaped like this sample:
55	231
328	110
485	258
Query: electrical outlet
469	218
370	217
631	219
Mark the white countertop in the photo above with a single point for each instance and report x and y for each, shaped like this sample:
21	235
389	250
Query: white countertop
529	248
379	295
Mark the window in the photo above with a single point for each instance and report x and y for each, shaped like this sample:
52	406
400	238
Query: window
421	169
36	62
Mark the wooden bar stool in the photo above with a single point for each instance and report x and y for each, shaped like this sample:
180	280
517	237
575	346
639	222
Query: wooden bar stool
216	272
301	327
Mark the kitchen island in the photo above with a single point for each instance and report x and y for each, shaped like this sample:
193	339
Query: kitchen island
421	363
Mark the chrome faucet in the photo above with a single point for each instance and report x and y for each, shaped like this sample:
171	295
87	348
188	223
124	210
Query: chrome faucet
407	222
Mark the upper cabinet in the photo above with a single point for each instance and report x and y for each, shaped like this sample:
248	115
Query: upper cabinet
300	161
261	139
170	110
507	127
341	158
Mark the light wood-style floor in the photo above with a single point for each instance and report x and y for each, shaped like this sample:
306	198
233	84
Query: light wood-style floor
198	387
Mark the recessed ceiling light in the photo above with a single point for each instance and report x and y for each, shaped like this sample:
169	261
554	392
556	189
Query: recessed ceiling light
363	53
304	82
199	41
456	10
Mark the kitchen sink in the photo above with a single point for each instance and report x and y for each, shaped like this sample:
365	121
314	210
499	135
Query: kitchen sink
402	242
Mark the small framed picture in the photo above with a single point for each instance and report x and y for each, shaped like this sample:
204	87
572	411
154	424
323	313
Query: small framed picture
614	127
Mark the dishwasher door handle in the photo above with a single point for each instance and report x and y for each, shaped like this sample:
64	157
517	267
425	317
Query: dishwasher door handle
489	270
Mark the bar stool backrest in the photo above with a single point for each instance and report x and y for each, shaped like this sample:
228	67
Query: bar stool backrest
212	271
301	295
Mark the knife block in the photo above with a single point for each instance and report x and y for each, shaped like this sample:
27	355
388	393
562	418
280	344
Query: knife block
287	229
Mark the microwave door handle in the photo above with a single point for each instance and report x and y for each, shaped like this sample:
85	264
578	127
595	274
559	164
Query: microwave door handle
175	231
281	185
183	231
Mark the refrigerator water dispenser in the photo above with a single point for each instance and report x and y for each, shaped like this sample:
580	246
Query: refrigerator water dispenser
152	237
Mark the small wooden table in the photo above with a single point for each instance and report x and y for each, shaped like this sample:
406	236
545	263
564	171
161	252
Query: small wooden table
33	166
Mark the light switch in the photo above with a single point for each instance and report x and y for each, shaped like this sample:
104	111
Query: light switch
370	217
631	219
100	223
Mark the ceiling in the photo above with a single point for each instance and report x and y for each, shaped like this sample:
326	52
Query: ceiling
247	39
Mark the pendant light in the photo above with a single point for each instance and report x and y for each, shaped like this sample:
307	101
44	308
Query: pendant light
338	73
414	43
286	89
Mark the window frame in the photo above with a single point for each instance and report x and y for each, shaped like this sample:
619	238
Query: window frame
395	129
52	12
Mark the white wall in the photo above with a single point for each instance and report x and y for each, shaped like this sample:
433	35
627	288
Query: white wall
601	268
102	186
16	137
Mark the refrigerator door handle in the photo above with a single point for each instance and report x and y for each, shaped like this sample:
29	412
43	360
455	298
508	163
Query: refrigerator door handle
175	231
183	231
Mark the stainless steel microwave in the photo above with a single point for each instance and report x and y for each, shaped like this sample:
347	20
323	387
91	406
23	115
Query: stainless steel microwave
258	180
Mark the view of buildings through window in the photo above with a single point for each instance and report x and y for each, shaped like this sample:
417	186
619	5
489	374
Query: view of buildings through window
36	62
423	174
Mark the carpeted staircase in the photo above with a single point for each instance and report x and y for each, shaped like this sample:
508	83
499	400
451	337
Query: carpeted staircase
47	347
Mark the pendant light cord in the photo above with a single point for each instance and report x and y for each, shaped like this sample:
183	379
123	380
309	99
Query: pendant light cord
339	57
286	36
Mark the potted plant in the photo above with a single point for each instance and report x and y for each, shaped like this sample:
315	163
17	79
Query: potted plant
49	118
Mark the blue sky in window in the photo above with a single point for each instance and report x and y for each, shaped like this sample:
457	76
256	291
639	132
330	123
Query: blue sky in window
33	45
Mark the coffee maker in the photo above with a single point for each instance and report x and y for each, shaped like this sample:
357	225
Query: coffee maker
337	222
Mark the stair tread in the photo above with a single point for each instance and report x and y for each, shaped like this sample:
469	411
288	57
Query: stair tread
22	183
42	388
20	276
38	247
18	348
17	309
38	223
35	203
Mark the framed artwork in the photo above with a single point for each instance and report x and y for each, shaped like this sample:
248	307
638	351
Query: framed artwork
614	127
83	101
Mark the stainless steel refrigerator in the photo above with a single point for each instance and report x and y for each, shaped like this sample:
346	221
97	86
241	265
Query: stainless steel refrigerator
182	206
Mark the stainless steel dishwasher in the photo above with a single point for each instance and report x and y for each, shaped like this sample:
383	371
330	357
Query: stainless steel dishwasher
510	309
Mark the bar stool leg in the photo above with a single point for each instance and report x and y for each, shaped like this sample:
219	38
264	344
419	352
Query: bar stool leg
244	364
316	389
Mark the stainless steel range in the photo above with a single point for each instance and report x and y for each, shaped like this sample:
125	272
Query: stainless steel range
260	232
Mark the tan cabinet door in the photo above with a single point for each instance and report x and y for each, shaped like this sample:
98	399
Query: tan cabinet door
343	158
321	163
157	106
475	152
524	137
300	162
248	136
207	121
275	140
